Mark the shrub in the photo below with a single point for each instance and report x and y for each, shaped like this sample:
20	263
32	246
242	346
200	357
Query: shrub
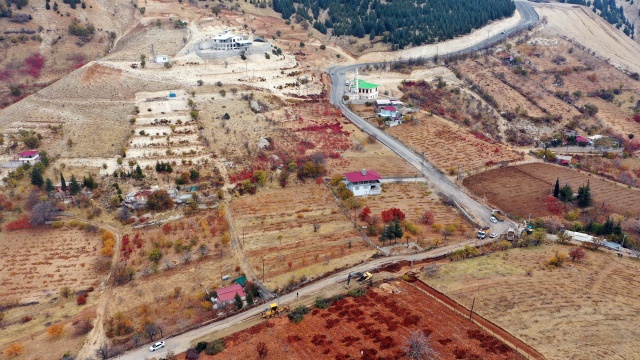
81	299
22	223
14	349
192	354
298	314
577	254
77	29
322	302
357	292
392	214
65	292
82	327
215	347
55	330
557	260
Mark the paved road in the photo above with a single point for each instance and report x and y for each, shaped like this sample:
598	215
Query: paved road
439	181
180	343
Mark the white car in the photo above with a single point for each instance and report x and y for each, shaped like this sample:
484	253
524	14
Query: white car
493	235
504	32
157	345
494	220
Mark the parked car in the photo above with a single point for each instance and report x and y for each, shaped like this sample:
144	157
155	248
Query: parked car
493	235
494	220
503	32
156	345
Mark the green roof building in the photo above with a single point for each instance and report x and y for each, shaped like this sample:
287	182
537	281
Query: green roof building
367	90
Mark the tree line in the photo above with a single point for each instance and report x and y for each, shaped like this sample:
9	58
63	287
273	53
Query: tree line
400	23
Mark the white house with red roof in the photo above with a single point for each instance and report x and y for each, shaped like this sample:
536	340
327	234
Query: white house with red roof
227	295
29	156
388	111
365	182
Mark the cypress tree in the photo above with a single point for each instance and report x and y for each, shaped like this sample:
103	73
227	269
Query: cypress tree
556	189
74	185
36	177
63	184
584	196
48	185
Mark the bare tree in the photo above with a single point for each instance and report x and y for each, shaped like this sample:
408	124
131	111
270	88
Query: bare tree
151	330
203	250
316	227
136	339
103	351
417	346
262	350
186	255
563	237
42	212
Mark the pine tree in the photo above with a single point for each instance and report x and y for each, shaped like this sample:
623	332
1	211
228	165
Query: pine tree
63	184
238	301
48	185
36	177
556	189
74	185
249	298
584	196
138	173
396	229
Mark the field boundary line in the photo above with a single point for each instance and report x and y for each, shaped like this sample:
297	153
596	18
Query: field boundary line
346	213
512	341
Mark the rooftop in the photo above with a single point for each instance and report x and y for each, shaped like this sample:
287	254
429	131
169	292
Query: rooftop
389	108
364	175
228	293
366	85
29	153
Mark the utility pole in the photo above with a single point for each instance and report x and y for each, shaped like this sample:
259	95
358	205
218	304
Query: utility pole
243	237
472	305
263	269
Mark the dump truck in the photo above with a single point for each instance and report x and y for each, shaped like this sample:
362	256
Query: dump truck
484	232
274	310
498	215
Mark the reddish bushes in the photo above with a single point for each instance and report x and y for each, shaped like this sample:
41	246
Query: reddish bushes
22	223
392	214
82	299
34	65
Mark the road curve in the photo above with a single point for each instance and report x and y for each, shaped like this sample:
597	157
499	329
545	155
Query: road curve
439	181
181	342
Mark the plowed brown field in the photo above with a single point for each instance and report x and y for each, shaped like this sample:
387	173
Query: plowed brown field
373	326
521	190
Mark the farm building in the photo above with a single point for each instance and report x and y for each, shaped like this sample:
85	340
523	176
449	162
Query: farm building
582	237
563	160
161	59
381	103
363	182
388	112
581	140
227	295
29	156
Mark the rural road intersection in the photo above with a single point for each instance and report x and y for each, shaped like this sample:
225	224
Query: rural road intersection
438	181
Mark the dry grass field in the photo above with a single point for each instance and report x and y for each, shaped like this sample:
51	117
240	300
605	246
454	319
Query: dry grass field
583	310
448	146
415	199
38	263
521	190
35	266
278	224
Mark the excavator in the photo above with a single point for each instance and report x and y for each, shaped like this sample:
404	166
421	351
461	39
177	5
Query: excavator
361	277
274	310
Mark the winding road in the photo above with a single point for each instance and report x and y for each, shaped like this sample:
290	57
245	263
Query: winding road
438	180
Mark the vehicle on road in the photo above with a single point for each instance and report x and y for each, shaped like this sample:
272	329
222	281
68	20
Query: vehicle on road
342	73
499	215
346	83
503	32
156	345
493	235
483	232
274	310
493	220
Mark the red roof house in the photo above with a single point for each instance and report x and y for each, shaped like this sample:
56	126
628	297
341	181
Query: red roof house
29	156
365	182
582	139
228	294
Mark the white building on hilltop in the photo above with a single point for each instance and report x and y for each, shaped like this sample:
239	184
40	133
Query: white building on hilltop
226	41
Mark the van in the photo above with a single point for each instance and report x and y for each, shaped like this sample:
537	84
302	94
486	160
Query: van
346	83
